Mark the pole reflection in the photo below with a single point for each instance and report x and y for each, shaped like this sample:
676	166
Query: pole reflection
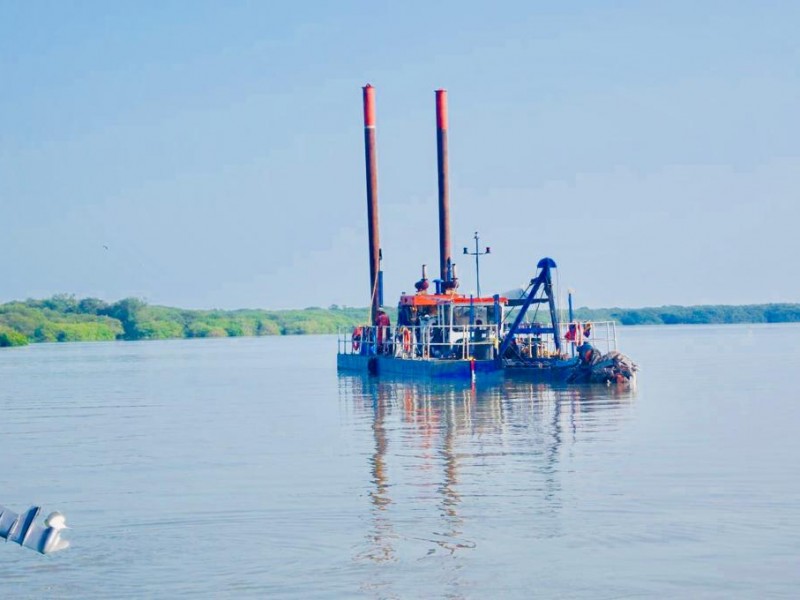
382	533
437	447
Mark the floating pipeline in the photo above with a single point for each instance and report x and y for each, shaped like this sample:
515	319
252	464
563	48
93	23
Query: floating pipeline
22	529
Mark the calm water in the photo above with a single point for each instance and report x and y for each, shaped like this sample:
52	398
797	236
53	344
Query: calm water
247	468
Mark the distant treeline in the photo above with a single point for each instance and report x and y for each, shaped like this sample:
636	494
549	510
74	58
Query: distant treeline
694	315
64	318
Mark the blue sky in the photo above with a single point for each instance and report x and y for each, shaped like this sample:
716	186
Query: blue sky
216	148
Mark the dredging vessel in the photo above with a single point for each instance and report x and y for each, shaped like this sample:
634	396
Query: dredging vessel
442	333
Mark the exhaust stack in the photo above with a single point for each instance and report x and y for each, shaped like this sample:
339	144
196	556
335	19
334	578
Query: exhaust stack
370	152
444	194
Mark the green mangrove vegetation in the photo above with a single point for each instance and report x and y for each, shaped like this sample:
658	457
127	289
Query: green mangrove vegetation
65	318
695	315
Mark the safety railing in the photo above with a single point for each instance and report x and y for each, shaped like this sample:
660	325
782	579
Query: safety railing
429	341
535	340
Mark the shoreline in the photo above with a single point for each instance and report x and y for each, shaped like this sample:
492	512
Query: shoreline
64	318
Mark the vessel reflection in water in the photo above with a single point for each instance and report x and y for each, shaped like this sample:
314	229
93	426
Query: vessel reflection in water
447	460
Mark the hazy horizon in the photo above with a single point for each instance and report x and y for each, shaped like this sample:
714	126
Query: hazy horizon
209	154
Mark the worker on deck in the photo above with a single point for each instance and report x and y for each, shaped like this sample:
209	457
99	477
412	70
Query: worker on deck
572	333
481	349
382	323
588	354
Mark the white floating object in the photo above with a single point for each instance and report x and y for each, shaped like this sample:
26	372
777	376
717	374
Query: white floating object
56	520
22	530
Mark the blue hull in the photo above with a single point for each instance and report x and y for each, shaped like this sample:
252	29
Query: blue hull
416	368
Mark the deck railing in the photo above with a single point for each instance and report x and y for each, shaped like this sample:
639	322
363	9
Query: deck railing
474	341
422	342
531	343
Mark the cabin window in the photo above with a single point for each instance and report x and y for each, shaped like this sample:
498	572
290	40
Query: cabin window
427	311
461	315
404	315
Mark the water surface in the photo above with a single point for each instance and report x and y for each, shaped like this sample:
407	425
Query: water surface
248	468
